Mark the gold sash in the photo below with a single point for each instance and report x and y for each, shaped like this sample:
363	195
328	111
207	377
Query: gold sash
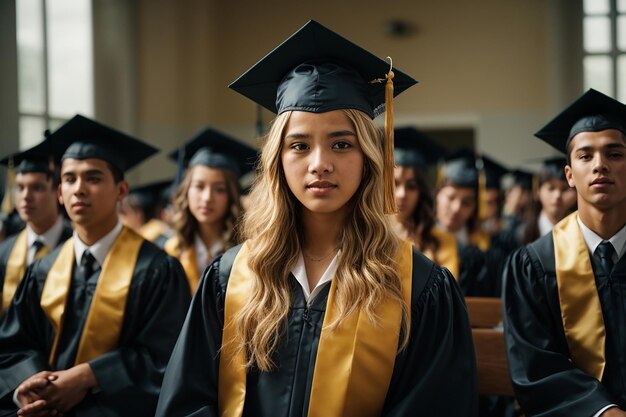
188	260
16	266
106	314
349	357
153	229
448	253
481	239
581	311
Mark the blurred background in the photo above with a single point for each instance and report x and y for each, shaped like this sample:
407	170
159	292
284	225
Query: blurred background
491	72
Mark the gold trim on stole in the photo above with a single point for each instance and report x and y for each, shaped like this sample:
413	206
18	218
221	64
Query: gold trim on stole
153	229
448	253
106	313
581	311
16	266
187	259
349	357
481	239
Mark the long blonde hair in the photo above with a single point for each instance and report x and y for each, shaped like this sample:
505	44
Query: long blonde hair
185	224
366	272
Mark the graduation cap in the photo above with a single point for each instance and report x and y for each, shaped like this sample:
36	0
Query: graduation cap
493	171
591	112
459	168
413	148
523	179
215	149
83	138
553	167
151	195
316	70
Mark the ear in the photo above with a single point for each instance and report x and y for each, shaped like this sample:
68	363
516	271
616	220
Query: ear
569	176
122	190
59	195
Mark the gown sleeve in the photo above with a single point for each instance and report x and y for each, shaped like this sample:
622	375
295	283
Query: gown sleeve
545	381
436	374
190	384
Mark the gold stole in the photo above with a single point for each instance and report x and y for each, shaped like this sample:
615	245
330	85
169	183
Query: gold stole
106	314
188	260
349	357
448	253
581	311
153	229
16	266
481	239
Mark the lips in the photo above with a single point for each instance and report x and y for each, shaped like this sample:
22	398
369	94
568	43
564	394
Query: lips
321	184
601	180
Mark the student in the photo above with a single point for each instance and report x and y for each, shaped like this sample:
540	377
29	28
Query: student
323	311
206	203
565	315
36	181
517	202
92	324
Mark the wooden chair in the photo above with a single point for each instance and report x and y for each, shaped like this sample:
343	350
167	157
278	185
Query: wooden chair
485	316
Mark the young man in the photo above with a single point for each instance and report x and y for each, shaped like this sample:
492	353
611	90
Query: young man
92	325
564	295
36	181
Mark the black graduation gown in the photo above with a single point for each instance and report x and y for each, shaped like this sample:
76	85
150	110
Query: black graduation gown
130	376
434	376
7	246
473	276
545	381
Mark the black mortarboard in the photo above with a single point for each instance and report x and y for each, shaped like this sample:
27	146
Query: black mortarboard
553	167
38	158
148	196
591	112
523	178
413	148
459	168
83	138
214	149
317	70
494	171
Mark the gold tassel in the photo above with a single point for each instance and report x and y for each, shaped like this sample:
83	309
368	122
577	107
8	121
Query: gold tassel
388	157
8	202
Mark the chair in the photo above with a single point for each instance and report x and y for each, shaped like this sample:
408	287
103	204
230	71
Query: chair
485	316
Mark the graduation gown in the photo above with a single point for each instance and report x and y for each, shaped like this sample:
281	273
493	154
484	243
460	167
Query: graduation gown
130	376
474	278
434	376
546	383
7	246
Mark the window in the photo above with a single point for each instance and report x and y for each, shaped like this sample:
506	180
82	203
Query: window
55	64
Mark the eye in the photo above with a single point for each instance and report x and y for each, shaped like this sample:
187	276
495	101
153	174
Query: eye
584	156
615	155
342	145
298	146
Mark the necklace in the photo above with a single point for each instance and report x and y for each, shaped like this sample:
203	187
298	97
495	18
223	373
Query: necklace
319	259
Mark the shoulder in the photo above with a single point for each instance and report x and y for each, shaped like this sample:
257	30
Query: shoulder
427	277
6	246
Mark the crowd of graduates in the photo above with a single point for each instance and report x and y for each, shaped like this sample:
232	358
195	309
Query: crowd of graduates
120	301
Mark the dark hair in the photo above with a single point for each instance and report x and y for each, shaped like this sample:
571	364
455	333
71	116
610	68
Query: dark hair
424	214
530	227
118	174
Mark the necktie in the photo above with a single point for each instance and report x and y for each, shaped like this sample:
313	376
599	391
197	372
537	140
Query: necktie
86	267
40	250
605	251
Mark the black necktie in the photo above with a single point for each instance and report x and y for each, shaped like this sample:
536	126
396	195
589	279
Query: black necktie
86	266
605	251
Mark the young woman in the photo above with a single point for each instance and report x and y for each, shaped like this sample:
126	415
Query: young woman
323	310
550	205
206	203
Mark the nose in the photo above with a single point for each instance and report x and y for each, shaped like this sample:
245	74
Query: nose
455	206
321	161
207	194
79	187
400	192
599	164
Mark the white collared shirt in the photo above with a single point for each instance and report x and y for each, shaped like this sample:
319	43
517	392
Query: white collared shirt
544	224
100	249
205	256
592	240
50	238
299	272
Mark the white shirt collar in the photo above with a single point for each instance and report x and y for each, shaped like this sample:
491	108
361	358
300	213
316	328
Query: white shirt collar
205	256
299	272
100	249
544	224
50	237
592	240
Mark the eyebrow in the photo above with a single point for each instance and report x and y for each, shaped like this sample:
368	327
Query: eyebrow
608	146
336	134
88	172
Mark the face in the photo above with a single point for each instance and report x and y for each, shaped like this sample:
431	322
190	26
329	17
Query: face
407	192
455	206
89	193
208	195
322	160
598	169
35	197
550	195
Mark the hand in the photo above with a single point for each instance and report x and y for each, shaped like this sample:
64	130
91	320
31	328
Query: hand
69	388
613	412
28	394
